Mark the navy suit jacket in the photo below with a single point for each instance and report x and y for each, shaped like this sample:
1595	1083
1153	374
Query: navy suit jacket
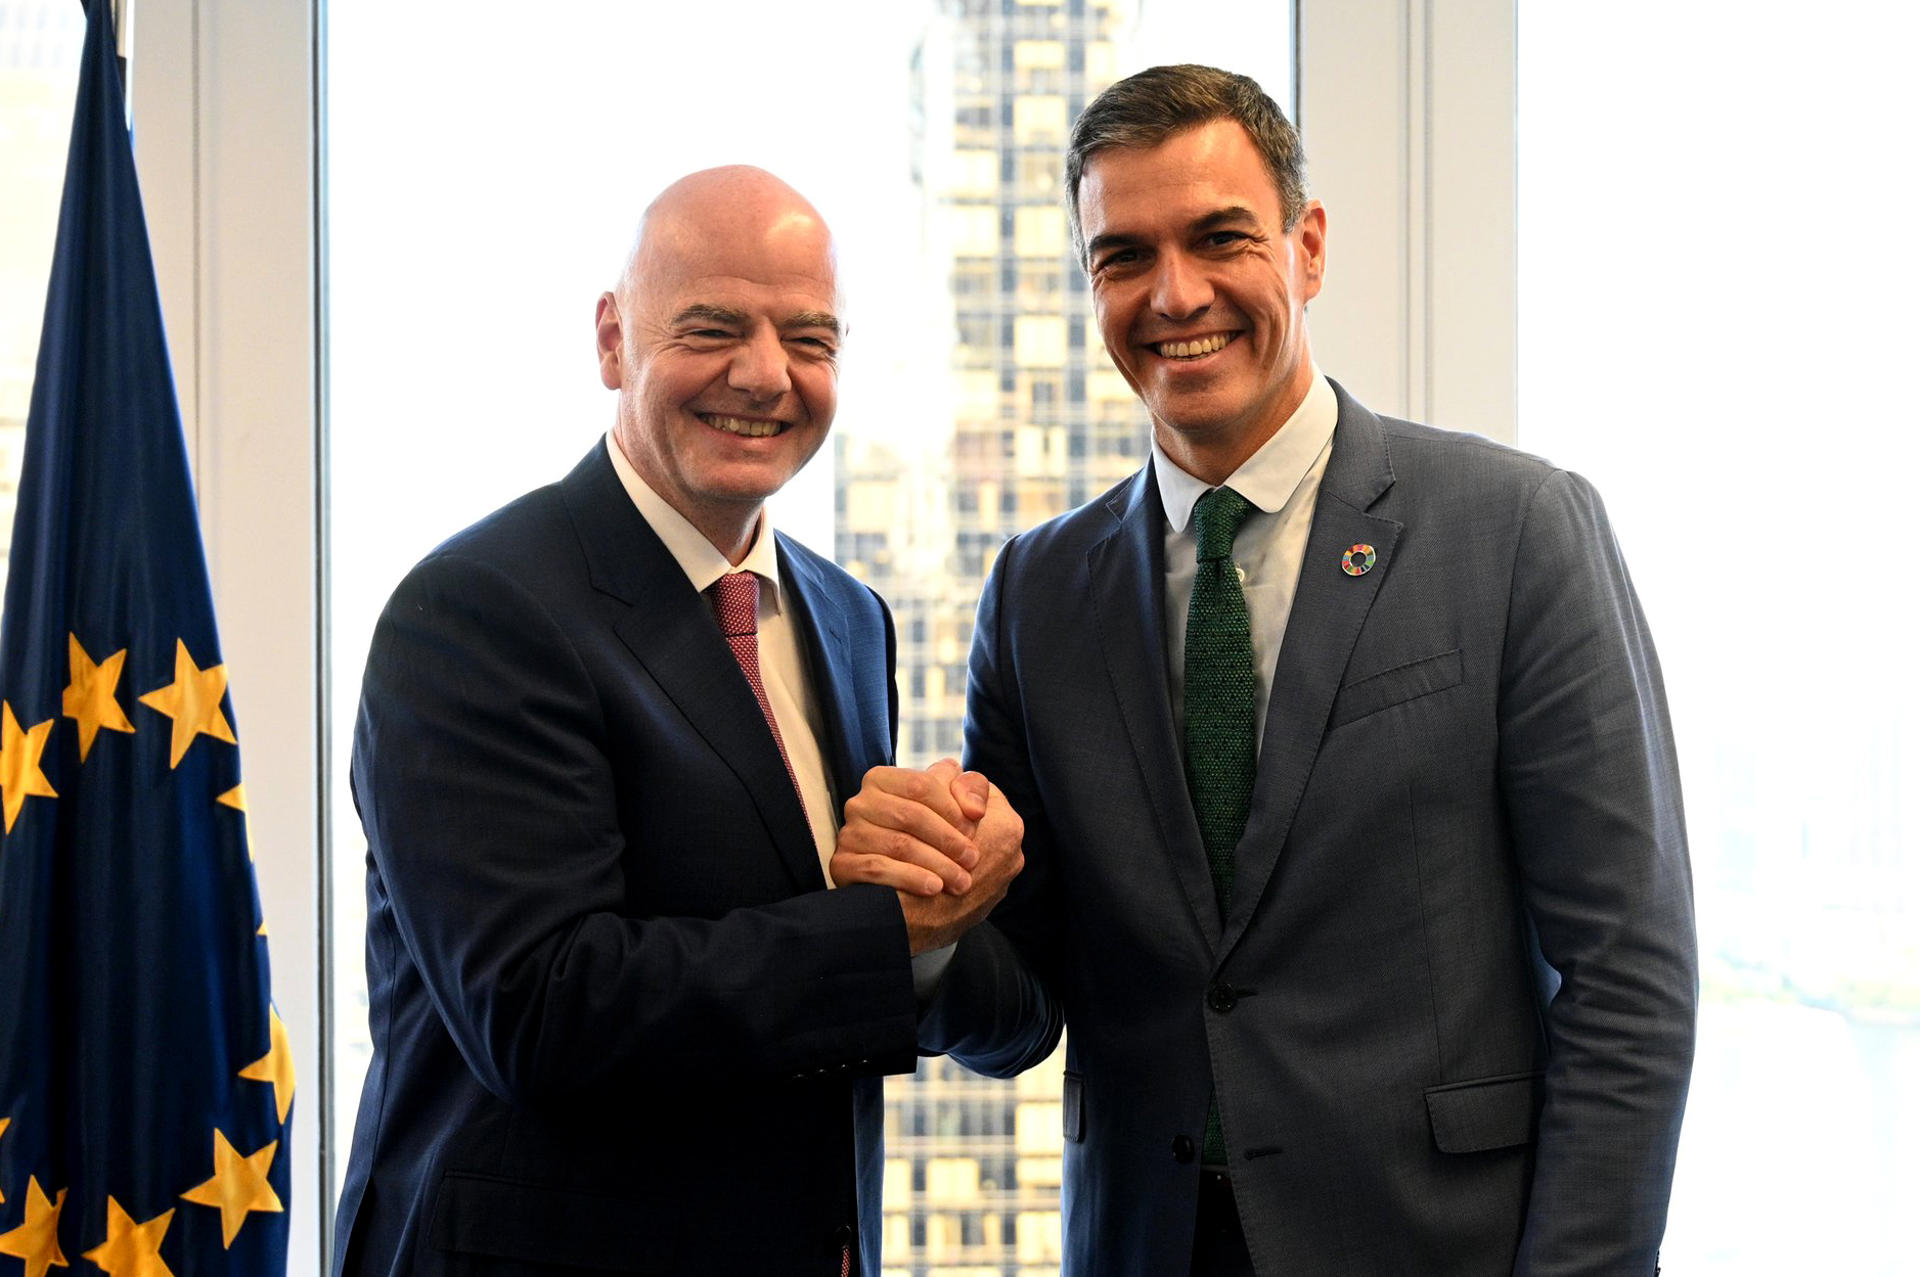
618	1021
1449	1011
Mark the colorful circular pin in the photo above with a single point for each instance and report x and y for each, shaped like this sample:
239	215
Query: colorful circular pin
1358	560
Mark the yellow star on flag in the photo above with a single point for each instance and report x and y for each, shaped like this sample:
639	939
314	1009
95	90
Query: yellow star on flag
38	1239
5	1122
276	1066
236	798
239	1185
20	774
192	701
89	699
131	1250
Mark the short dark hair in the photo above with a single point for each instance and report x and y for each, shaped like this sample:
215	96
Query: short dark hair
1146	109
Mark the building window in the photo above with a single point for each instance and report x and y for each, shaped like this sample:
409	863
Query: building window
960	405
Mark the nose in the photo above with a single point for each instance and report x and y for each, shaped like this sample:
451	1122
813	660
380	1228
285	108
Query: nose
759	367
1180	290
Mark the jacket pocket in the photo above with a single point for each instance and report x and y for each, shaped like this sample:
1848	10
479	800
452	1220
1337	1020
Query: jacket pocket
550	1227
1488	1113
1402	683
1073	1112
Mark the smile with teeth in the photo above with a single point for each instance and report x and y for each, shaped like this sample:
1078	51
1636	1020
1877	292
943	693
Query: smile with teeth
1193	349
751	427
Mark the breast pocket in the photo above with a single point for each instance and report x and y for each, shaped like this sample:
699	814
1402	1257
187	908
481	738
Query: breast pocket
1372	693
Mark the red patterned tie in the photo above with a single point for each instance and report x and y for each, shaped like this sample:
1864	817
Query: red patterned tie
736	602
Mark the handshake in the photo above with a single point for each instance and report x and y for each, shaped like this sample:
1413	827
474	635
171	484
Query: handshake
945	839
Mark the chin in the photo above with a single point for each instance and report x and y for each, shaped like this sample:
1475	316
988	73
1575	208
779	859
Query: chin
1194	419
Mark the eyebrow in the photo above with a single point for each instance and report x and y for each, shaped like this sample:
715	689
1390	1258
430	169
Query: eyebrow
812	319
700	311
728	317
1233	214
1225	216
1101	243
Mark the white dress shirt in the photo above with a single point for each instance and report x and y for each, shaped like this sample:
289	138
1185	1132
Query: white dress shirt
783	667
1282	480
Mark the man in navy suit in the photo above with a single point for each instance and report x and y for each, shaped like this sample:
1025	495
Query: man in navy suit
619	1022
1359	870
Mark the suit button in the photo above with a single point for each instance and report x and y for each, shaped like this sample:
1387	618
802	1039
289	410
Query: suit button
1182	1149
1221	997
841	1239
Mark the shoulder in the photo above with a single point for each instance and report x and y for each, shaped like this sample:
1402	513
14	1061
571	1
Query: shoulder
1459	462
826	585
1068	537
516	577
525	523
522	549
1468	469
824	572
1477	506
539	540
1457	477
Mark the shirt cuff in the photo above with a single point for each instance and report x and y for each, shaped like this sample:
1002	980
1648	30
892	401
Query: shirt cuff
929	969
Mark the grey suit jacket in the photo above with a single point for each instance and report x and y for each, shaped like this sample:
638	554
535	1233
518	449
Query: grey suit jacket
1449	1013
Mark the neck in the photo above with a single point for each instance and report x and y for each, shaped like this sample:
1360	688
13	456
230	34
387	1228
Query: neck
731	537
1212	456
1212	461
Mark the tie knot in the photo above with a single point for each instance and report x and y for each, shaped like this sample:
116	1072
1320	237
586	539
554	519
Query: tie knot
736	602
1216	517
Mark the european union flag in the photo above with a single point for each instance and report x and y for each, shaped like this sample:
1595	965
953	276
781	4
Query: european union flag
145	1081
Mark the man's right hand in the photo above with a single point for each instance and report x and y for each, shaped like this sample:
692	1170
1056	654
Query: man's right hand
947	841
936	921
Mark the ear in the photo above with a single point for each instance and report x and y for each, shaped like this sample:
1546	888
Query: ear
606	337
1312	233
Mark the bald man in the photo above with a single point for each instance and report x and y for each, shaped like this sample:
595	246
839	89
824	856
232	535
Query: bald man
619	1020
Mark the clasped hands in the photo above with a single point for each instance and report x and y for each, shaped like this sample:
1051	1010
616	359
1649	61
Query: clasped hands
946	840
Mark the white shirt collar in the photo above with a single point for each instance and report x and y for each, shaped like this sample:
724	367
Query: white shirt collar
689	546
1270	476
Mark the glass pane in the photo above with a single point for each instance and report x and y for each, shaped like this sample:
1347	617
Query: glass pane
486	171
39	63
1716	282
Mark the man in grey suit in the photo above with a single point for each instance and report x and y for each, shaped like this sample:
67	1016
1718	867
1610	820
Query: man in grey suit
1353	829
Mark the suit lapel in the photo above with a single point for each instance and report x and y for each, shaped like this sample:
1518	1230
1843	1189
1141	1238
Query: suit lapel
671	632
1127	590
823	639
1329	607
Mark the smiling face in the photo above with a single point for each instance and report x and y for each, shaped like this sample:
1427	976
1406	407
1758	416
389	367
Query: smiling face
723	340
1201	291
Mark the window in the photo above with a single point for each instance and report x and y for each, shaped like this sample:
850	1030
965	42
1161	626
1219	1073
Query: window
1040	341
1039	121
464	266
39	60
1039	230
1716	276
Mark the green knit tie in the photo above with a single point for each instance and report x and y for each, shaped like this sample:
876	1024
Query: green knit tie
1220	687
1220	692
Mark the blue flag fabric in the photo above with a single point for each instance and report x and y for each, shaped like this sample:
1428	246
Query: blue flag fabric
145	1081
